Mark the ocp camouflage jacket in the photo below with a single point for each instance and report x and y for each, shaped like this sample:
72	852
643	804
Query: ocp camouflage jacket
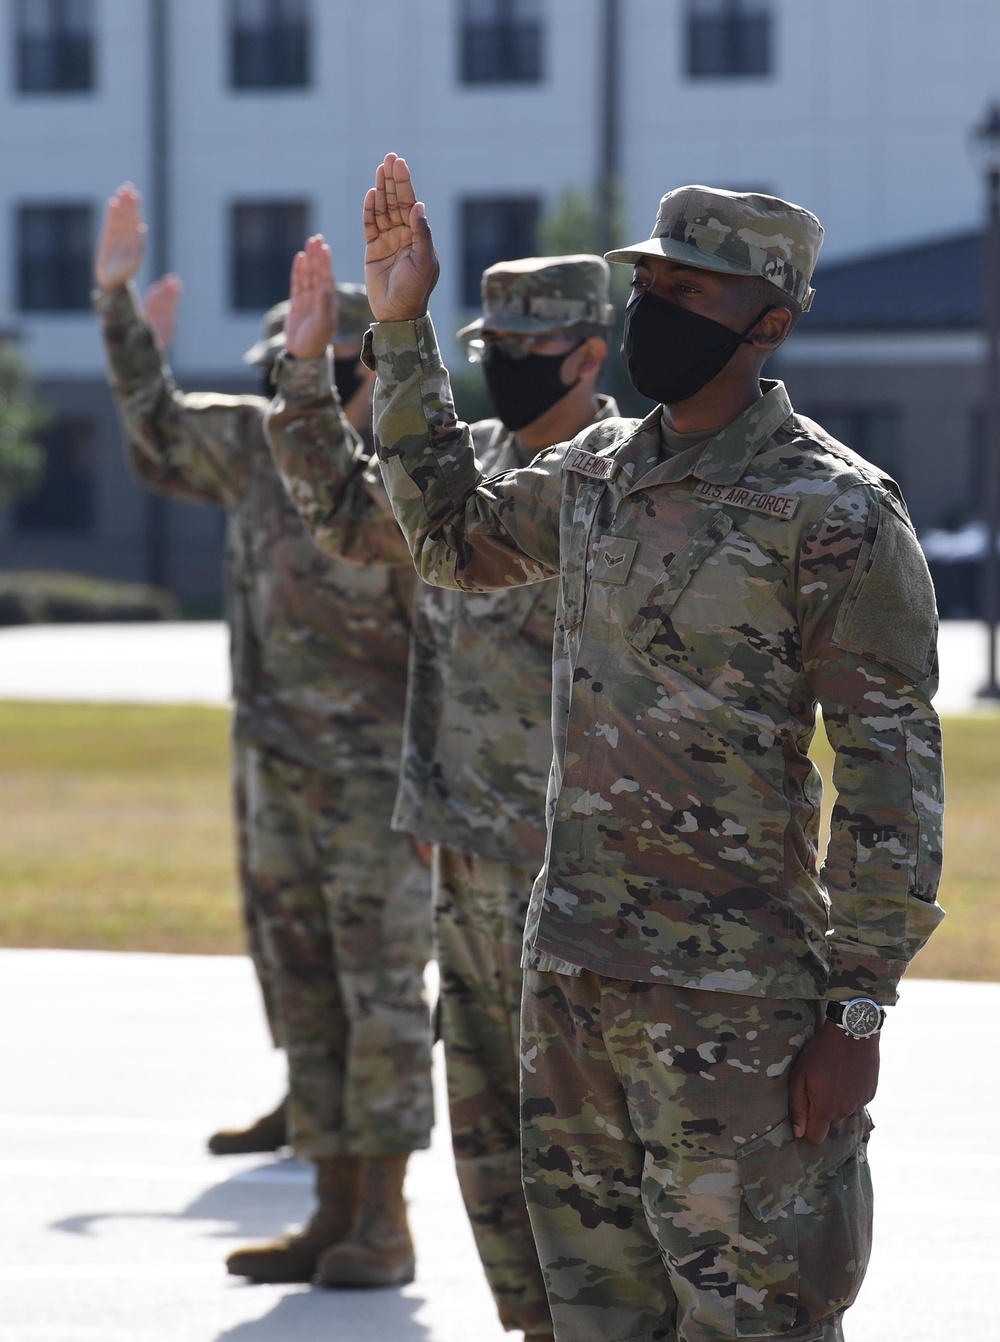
319	646
708	602
477	741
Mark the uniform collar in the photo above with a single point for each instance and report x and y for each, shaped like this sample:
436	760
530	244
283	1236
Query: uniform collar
724	459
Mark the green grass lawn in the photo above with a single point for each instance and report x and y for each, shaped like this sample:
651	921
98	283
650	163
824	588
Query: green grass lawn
116	834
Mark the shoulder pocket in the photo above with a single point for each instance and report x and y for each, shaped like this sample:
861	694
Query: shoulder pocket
889	613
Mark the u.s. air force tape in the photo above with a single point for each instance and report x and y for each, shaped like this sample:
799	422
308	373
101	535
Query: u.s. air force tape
755	501
588	463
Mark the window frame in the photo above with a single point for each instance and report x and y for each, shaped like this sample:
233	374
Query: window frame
518	47
68	292
64	503
244	269
738	29
63	46
275	42
474	263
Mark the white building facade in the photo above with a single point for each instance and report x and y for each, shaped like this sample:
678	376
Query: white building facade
249	123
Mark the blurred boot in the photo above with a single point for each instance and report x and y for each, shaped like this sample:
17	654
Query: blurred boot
378	1249
294	1257
269	1133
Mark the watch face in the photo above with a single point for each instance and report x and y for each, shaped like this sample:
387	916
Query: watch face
862	1017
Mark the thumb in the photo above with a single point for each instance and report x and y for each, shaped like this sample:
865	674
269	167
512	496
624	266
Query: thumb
421	229
798	1103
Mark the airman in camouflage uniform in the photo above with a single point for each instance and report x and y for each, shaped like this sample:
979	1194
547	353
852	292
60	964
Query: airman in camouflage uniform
693	1127
341	907
477	737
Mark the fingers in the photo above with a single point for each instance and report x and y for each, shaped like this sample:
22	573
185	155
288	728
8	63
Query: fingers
319	262
297	284
404	186
368	216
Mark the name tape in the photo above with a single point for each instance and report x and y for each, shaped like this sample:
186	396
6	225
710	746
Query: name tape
738	496
588	463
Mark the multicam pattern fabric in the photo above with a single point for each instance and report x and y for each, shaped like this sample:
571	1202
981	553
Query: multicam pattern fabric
695	638
537	294
345	928
738	233
321	645
668	1197
477	738
479	911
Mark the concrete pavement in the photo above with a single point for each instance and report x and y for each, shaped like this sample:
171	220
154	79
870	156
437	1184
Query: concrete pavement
188	663
115	1223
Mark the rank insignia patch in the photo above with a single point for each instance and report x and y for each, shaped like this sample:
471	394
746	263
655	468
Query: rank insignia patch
614	560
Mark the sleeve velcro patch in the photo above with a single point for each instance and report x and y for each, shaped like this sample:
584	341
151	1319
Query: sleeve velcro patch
889	613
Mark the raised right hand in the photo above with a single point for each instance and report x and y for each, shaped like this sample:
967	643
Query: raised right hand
160	307
401	265
122	242
312	318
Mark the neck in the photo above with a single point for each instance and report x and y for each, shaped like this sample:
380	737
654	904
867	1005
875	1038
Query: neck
569	416
717	404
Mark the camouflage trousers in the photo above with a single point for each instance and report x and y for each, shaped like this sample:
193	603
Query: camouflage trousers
344	918
668	1197
479	912
248	903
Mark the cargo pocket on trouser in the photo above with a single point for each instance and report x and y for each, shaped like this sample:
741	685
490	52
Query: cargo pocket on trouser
805	1228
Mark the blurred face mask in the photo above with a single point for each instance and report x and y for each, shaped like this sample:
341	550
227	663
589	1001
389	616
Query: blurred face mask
670	353
523	388
345	375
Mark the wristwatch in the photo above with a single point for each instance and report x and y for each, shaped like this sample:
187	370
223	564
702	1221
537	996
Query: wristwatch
860	1018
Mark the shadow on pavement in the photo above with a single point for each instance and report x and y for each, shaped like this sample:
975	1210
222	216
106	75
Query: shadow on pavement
335	1316
257	1203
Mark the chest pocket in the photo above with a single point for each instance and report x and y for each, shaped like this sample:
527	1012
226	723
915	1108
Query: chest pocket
663	596
708	599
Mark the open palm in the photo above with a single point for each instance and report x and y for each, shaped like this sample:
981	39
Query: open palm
401	265
312	318
122	243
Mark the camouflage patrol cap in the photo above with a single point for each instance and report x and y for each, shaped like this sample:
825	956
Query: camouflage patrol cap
355	319
735	233
544	293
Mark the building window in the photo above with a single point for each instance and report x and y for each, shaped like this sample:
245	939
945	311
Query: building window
872	432
728	37
494	228
64	500
501	41
54	250
265	238
269	44
55	46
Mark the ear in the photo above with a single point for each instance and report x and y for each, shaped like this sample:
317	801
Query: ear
772	329
588	360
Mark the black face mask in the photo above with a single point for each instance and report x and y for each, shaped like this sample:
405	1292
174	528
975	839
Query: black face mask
523	389
671	353
345	375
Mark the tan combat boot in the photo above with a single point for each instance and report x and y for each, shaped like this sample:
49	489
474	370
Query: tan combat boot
294	1257
378	1250
269	1133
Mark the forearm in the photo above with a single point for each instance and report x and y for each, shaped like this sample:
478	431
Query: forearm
462	530
322	461
163	445
869	645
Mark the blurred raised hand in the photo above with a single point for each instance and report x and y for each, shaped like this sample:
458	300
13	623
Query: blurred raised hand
401	265
311	324
160	306
122	243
